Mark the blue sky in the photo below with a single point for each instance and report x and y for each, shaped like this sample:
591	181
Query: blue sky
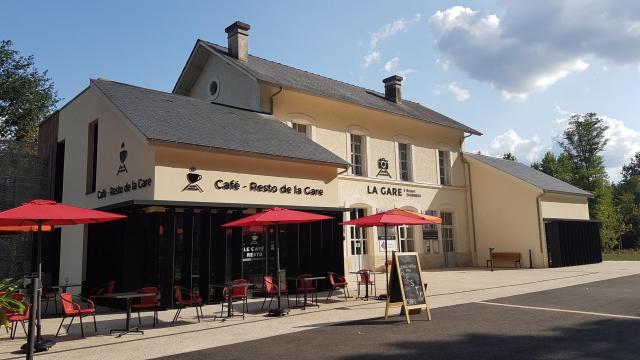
513	70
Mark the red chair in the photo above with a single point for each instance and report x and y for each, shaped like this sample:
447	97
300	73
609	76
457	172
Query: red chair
337	282
185	298
16	318
364	278
305	286
98	294
271	290
148	303
236	293
73	309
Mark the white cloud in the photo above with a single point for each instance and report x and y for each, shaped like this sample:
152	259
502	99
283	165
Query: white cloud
393	28
370	58
533	45
405	72
460	93
526	150
444	64
391	64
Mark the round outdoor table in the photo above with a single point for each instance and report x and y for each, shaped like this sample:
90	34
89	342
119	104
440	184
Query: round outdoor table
366	288
230	285
128	296
315	286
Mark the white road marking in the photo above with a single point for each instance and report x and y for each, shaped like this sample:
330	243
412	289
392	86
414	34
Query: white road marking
562	310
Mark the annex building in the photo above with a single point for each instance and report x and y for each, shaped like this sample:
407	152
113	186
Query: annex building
239	133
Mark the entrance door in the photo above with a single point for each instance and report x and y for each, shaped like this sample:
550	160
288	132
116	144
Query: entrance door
358	243
447	239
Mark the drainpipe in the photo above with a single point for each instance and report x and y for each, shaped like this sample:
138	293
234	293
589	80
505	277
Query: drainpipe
273	96
472	213
540	224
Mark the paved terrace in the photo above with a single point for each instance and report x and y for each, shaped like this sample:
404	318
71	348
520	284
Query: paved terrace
446	287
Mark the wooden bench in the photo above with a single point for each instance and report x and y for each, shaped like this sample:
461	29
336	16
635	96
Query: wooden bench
504	256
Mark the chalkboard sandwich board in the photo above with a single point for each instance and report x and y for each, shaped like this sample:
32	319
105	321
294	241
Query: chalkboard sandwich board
406	286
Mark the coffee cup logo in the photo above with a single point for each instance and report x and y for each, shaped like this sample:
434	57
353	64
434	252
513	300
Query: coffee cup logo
123	157
192	179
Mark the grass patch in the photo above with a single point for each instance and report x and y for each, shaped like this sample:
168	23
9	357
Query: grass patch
621	255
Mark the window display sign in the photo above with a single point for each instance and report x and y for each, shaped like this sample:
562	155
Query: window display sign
392	245
253	248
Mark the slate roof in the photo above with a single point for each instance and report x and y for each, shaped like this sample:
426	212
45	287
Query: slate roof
530	175
292	78
180	119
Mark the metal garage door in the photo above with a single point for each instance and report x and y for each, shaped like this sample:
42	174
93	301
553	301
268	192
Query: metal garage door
573	242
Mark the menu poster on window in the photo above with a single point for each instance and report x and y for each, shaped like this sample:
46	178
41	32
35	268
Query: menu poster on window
391	245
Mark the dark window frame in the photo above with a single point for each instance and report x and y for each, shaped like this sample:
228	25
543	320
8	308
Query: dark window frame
92	156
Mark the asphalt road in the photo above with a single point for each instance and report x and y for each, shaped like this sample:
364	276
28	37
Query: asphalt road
598	320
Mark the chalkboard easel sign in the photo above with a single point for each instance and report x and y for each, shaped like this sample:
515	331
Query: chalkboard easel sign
406	286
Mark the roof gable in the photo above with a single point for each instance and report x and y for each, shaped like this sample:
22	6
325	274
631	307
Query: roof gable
304	81
529	175
180	119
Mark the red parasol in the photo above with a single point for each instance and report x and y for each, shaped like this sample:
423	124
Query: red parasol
276	216
392	217
42	214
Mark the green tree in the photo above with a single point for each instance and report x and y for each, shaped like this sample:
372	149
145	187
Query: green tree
632	168
558	167
26	95
509	156
582	143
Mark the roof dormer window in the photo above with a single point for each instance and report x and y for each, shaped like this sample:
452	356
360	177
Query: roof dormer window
214	89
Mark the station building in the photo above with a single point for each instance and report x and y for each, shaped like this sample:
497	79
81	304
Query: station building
240	133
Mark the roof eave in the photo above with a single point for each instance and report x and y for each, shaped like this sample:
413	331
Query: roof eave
586	194
466	129
163	142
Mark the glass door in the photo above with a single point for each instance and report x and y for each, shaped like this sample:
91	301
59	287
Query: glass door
358	243
407	242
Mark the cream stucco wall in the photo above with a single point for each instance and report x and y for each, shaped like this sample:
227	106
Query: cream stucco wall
505	212
332	122
113	130
235	87
217	168
560	206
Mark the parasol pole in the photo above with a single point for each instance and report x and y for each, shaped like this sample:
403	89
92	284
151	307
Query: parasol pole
386	259
278	262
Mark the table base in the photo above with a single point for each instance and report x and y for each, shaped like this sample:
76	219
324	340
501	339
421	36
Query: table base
278	312
125	331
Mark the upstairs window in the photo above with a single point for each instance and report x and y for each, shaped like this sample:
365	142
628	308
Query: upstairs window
357	155
92	156
444	167
404	159
301	128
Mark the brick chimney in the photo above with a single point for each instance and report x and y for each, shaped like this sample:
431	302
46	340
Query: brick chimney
238	40
392	88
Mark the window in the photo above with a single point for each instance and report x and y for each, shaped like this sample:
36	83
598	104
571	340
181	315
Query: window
447	231
406	238
404	158
301	128
92	156
357	155
430	235
358	234
214	89
444	165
